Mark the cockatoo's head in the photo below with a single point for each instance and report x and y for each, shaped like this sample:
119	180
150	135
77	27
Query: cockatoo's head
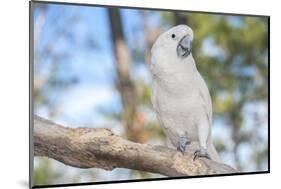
172	50
177	41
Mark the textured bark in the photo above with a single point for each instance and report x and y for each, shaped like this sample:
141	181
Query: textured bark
100	148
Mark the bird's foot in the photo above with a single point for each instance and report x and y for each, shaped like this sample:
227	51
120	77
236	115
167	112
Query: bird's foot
182	144
201	153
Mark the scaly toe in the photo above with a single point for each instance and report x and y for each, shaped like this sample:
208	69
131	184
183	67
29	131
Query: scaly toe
182	144
201	153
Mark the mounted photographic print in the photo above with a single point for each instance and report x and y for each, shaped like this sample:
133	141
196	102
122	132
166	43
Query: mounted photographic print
122	94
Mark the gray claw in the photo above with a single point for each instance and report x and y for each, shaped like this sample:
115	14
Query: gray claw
182	144
201	153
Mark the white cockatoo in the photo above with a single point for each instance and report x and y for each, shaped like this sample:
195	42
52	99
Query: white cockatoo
180	96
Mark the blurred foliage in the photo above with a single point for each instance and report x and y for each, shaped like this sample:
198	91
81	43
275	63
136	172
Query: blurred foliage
43	175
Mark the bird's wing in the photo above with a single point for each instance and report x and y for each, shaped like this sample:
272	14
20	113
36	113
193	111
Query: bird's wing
155	104
206	98
153	97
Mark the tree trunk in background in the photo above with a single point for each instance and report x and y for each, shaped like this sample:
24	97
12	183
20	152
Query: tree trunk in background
125	85
180	18
236	122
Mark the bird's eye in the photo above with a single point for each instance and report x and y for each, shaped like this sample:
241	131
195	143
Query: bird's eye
173	36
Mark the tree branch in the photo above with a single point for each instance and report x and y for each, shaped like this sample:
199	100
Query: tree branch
100	148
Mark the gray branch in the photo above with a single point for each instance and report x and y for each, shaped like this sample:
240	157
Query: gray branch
100	148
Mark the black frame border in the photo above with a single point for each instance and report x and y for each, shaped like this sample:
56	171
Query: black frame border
31	110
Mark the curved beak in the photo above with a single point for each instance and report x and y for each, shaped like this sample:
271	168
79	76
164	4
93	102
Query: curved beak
184	46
